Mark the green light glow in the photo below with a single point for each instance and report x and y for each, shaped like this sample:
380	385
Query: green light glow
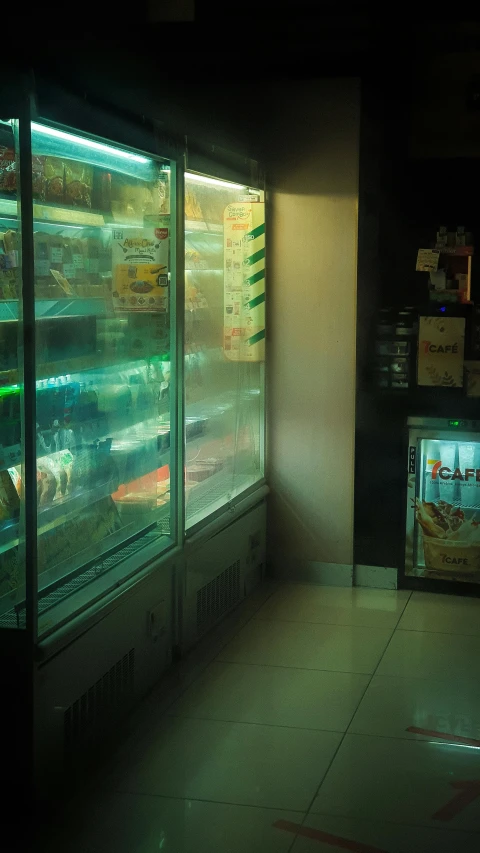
64	136
5	390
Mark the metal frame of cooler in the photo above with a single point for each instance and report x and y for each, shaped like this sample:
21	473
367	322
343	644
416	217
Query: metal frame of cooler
434	429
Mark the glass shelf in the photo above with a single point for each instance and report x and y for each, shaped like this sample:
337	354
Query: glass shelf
101	245
81	306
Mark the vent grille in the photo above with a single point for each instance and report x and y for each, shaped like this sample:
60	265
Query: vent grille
104	701
218	596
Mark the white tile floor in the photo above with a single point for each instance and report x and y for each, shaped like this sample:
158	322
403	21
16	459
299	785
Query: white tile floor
294	737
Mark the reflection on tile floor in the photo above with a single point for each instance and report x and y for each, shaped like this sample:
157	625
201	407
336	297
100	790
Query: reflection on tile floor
233	763
381	836
130	823
390	705
340	648
274	696
429	655
441	614
294	739
403	781
373	608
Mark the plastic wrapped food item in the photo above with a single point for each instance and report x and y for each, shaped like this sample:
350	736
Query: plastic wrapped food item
102	190
54	180
8	171
90	525
192	205
10	284
78	183
46	483
9	250
8	174
132	199
9	500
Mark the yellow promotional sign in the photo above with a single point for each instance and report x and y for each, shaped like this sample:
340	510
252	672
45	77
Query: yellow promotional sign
140	268
244	281
441	351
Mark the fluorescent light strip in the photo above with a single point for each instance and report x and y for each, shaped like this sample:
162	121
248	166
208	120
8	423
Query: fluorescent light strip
88	143
202	179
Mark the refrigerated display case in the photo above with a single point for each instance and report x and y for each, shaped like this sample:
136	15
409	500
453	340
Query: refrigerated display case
224	343
12	503
443	500
103	240
122	397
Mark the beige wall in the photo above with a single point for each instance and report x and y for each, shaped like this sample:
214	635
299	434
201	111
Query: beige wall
312	255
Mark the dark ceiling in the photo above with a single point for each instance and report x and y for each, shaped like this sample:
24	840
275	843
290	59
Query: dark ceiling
210	77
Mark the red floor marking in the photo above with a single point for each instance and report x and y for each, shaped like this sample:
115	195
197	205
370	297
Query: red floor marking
467	741
469	791
333	840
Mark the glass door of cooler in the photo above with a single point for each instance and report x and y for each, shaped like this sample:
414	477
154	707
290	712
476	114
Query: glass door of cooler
224	343
446	507
12	506
104	389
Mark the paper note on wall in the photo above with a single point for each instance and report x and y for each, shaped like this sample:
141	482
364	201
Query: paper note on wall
427	260
441	351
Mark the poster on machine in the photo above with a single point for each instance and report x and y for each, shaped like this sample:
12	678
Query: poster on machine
244	281
448	521
441	351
